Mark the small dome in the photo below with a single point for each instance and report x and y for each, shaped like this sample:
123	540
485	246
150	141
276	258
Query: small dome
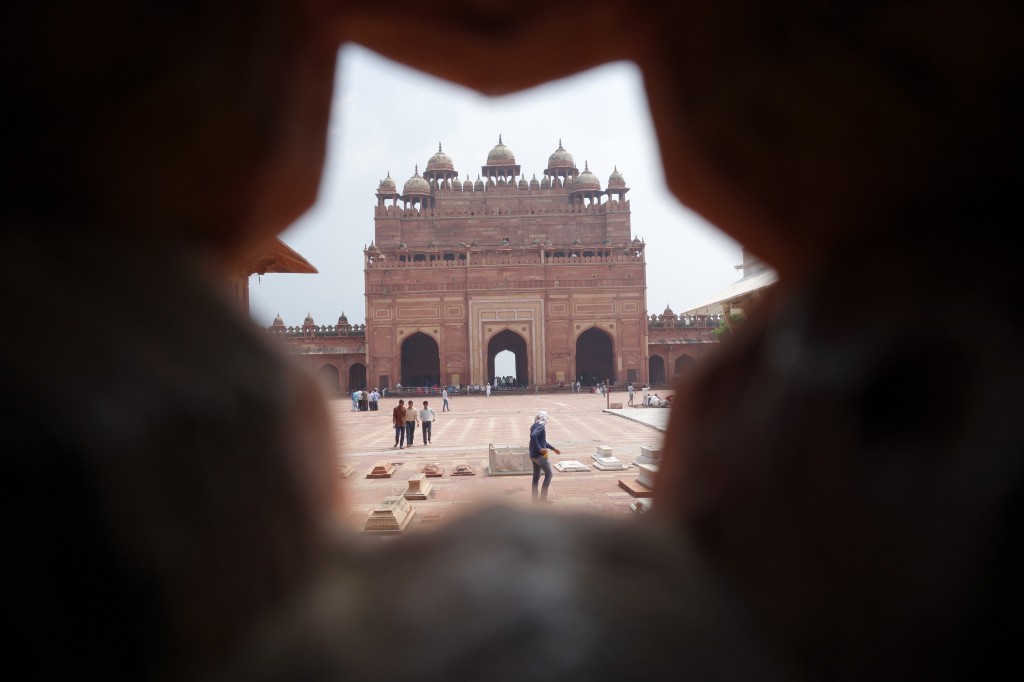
440	161
523	183
561	158
668	312
533	182
545	182
587	180
416	184
387	185
478	186
467	184
308	320
615	180
501	155
278	322
343	320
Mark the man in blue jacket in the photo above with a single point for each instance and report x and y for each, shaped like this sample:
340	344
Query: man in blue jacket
539	447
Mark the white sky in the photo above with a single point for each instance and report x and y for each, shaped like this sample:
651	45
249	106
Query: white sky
388	117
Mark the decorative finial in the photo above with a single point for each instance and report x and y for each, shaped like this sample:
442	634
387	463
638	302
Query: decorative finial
560	144
416	169
586	166
439	147
499	139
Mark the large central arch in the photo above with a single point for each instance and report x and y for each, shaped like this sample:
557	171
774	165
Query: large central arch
514	343
421	361
595	357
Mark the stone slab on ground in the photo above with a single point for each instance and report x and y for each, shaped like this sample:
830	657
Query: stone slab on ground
635	489
433	470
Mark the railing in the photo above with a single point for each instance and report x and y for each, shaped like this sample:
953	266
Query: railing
475	259
482	285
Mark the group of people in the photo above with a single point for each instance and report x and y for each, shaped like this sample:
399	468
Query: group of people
404	418
363	401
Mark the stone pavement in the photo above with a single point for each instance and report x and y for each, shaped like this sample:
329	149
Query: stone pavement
578	423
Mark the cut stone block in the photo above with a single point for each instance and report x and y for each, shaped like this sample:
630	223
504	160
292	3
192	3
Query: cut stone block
615	406
603	451
463	469
433	470
392	515
419	487
382	469
571	465
508	460
608	464
649	454
345	470
646	475
635	489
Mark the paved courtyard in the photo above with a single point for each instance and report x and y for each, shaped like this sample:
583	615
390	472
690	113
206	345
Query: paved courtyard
578	424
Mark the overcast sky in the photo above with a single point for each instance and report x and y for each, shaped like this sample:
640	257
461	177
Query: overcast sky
389	118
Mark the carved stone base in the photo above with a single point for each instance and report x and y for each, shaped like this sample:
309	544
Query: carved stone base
649	454
608	464
392	515
463	470
419	487
345	470
571	465
433	470
603	452
646	475
382	469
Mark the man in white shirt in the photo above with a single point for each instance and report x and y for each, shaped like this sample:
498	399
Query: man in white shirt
444	400
426	420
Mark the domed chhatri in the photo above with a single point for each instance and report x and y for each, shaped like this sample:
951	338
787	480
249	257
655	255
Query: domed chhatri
387	185
587	180
308	321
501	155
561	158
615	180
440	161
278	322
416	185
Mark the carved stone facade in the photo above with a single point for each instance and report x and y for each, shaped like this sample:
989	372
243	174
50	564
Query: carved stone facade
461	271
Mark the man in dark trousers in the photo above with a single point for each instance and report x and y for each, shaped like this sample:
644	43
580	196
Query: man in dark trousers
398	421
410	422
539	447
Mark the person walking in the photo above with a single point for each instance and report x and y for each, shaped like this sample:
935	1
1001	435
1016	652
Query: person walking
643	403
539	448
426	422
410	423
355	400
444	400
630	391
398	421
487	390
